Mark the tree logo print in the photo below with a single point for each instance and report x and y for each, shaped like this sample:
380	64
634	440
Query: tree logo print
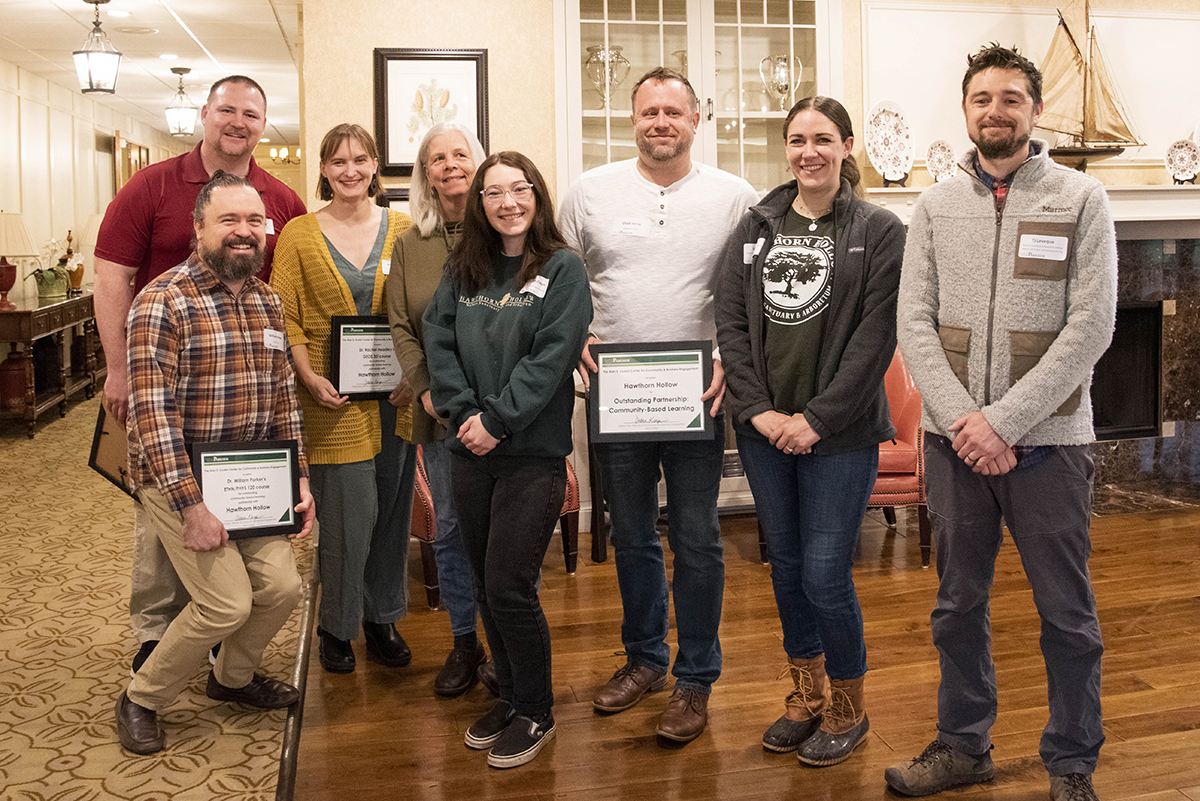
797	278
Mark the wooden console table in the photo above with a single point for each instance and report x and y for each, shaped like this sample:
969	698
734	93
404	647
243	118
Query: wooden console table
61	376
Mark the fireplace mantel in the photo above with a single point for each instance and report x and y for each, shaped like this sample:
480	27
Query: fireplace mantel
1140	212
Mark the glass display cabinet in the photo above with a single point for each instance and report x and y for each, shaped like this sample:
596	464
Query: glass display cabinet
749	61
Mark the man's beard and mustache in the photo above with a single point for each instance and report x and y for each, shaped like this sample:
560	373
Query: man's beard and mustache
1004	147
235	265
662	152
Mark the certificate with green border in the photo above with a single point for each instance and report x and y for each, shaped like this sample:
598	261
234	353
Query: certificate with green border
362	359
251	487
647	391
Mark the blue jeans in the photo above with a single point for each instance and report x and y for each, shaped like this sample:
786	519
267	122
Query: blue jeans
811	508
364	510
1047	507
508	507
455	580
693	471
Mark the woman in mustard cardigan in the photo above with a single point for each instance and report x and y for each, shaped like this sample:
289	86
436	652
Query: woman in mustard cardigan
333	262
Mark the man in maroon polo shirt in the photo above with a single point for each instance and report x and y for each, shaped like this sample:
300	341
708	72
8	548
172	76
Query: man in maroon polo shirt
146	231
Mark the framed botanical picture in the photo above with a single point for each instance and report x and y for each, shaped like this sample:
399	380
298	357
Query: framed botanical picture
416	89
395	198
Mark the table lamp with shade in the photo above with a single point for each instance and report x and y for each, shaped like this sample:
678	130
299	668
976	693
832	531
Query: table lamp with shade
15	241
87	243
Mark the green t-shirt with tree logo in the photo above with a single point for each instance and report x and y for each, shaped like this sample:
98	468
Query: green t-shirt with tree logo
797	284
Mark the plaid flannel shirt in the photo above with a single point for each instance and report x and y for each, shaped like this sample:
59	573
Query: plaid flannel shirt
201	369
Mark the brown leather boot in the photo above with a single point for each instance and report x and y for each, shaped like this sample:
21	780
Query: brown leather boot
685	717
804	703
844	725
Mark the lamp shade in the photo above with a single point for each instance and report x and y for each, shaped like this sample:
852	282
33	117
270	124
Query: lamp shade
15	240
181	119
96	64
87	243
182	113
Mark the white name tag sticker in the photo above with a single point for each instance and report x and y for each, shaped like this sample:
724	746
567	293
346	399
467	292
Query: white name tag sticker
749	251
270	227
1038	246
385	265
273	339
634	226
537	286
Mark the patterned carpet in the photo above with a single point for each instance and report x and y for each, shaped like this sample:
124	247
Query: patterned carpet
65	644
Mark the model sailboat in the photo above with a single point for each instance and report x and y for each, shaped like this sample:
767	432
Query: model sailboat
1079	98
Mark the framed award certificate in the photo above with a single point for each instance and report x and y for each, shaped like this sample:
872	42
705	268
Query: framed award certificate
251	487
650	391
110	450
362	361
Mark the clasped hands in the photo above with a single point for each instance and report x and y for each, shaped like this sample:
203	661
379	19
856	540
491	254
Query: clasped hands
980	447
789	433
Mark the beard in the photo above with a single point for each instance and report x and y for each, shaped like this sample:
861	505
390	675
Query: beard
236	266
1002	148
662	152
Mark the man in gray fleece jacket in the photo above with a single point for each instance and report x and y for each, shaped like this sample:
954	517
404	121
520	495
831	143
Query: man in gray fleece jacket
1007	299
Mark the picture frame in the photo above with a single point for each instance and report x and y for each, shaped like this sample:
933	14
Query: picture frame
650	391
246	485
362	360
416	88
110	451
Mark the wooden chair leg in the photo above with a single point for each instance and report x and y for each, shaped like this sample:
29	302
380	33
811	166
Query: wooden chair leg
570	540
762	545
889	514
433	592
926	534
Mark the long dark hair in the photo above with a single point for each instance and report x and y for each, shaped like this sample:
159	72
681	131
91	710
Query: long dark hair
472	263
836	113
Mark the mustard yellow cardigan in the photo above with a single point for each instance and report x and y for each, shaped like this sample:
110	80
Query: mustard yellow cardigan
313	291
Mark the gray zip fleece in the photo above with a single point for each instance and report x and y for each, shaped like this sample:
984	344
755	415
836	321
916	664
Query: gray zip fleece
850	409
1008	313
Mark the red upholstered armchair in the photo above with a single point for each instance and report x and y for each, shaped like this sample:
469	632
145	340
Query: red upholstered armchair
424	527
901	479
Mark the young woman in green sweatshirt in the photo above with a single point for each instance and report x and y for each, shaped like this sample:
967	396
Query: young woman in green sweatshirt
502	335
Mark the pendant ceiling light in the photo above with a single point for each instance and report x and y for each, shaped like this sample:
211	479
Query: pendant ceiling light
182	113
97	62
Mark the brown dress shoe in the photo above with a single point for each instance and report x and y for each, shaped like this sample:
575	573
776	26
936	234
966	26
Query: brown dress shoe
261	692
627	686
137	727
685	716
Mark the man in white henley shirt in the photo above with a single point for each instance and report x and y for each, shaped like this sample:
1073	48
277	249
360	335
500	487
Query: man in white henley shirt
651	231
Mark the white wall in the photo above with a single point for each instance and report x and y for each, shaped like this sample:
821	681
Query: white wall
1151	53
56	158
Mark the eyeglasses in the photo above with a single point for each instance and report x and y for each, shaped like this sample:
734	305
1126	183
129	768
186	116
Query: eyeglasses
521	193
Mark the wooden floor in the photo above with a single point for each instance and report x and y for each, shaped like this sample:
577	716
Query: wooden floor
382	734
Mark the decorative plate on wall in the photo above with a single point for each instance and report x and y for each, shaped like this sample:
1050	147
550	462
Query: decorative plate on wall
889	144
1183	160
940	160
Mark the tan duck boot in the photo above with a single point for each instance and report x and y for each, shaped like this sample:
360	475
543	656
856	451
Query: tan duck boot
804	705
844	725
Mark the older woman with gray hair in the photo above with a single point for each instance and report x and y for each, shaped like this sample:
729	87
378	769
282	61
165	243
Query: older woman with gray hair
445	167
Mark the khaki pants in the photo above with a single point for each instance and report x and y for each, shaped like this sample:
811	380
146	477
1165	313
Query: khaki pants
241	594
156	595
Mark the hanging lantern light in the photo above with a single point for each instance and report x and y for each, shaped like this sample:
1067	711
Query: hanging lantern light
182	113
97	63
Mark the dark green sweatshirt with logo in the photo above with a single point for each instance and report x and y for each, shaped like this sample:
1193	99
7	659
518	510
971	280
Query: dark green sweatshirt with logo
509	352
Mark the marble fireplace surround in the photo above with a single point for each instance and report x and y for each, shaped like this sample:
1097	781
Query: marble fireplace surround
1158	259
